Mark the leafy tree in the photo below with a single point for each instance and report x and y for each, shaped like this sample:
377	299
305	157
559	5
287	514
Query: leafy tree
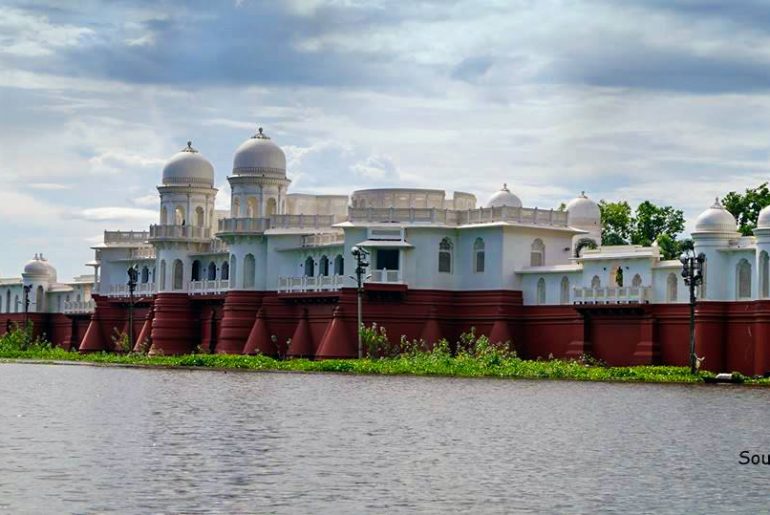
649	223
746	207
617	222
652	221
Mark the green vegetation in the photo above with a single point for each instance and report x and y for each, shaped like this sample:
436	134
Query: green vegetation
745	207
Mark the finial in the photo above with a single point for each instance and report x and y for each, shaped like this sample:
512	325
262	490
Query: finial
189	148
189	144
36	257
505	186
717	203
583	194
260	134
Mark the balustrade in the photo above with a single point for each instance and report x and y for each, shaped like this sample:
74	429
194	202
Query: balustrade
612	295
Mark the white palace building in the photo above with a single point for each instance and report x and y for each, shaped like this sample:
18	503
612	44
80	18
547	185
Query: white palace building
297	244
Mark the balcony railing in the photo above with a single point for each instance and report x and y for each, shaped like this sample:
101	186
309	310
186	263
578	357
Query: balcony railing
243	225
121	290
612	295
260	225
208	286
74	307
142	253
125	237
523	215
302	284
317	240
179	232
385	276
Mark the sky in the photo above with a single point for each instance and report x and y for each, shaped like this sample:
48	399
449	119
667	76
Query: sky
626	99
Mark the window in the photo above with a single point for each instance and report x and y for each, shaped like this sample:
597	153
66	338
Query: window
145	275
271	207
445	256
236	208
163	215
564	290
15	303
225	275
537	253
743	277
636	282
478	255
212	271
8	301
339	265
178	275
40	299
249	269
309	267
323	266
671	287
541	291
617	277
179	216
387	259
596	282
199	216
764	280
196	271
162	285
251	207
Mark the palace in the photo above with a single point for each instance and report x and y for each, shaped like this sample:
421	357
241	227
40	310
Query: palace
278	268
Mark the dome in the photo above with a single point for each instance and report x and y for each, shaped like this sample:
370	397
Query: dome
188	166
582	210
258	155
39	267
504	197
716	219
763	221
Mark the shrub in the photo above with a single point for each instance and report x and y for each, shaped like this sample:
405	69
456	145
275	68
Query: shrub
22	339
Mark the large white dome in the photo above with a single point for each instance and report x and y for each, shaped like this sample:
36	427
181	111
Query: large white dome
582	210
504	197
188	166
40	267
258	155
716	219
763	220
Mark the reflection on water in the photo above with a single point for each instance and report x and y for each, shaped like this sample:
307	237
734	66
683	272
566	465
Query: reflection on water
87	439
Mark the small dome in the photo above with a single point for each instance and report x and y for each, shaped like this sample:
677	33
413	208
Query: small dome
258	155
582	210
39	267
716	219
763	220
504	197
188	166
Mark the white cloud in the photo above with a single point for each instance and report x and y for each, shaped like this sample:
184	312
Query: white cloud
119	214
52	186
112	162
28	35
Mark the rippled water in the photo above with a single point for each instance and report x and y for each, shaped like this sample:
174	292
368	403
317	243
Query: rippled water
86	439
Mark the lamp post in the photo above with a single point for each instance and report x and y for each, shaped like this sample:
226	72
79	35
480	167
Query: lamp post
27	289
133	275
692	271
360	255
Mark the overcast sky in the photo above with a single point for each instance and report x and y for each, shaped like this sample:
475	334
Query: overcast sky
648	99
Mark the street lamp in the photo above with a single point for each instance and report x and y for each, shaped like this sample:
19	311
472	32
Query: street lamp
360	255
692	271
133	275
27	289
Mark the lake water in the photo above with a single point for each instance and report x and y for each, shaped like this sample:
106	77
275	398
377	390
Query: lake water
77	439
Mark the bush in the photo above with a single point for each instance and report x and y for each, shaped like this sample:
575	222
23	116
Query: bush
22	339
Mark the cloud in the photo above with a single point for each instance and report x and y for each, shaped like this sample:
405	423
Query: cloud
52	186
28	35
117	214
114	162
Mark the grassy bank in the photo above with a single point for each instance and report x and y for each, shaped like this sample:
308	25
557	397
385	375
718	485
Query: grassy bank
477	359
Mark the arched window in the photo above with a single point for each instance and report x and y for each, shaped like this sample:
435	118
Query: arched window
195	275
77	299
541	291
16	304
537	254
153	275
199	215
249	269
236	208
233	271
271	207
179	216
212	271
225	272
743	276
309	267
596	282
323	266
145	275
163	215
251	207
478	255
178	275
339	265
764	278
162	284
40	299
671	287
564	290
636	282
617	276
445	256
8	301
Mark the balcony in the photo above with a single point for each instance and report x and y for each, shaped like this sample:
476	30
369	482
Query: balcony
520	215
385	276
142	253
242	225
234	226
305	284
613	295
125	237
121	290
323	239
179	232
78	307
208	287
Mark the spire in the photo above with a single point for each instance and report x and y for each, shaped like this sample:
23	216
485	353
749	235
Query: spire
189	148
260	135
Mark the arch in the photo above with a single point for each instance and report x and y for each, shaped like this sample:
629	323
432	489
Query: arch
162	283
596	282
252	207
323	266
40	299
16	303
212	271
743	279
163	215
616	277
445	247
636	282
178	275
339	265
249	269
233	271
584	243
671	287
77	298
179	218
145	276
199	216
537	253
764	274
235	209
8	301
195	274
309	266
478	255
271	207
564	290
541	291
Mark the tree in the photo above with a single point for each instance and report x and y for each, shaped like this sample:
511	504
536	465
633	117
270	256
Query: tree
652	221
746	207
617	221
649	223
